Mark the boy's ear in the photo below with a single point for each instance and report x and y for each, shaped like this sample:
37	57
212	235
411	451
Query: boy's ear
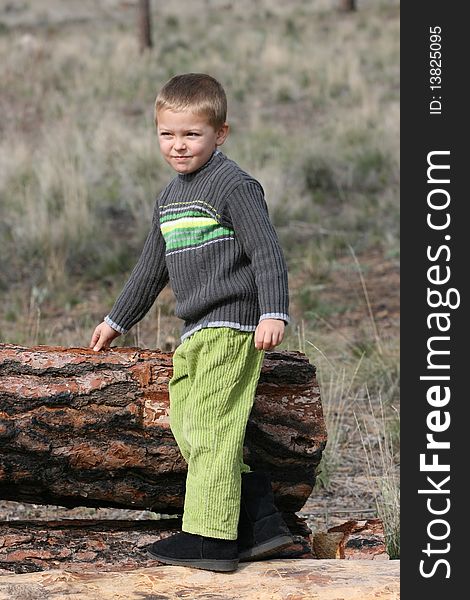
222	134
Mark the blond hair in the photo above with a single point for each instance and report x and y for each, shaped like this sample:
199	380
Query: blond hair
196	92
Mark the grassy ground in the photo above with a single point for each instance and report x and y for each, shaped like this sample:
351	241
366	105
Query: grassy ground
314	110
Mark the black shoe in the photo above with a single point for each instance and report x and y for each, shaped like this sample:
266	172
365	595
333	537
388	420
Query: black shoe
188	550
261	529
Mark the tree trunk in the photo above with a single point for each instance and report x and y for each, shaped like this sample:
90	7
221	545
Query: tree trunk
144	25
81	428
347	5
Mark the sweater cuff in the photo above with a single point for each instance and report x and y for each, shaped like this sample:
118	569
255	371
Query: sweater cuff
281	316
114	325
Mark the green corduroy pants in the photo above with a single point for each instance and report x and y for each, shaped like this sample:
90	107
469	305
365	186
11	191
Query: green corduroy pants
215	374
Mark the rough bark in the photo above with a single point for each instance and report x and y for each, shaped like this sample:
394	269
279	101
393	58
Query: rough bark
101	545
80	428
80	544
263	580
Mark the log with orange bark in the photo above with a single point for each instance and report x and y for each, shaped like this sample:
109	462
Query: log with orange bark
97	545
81	428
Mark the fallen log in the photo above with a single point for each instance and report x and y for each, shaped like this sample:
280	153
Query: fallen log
80	544
262	580
80	428
101	544
84	545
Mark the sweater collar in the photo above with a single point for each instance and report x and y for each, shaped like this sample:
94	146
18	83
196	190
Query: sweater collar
213	160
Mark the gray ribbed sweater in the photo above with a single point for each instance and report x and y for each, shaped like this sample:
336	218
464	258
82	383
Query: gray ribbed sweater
211	237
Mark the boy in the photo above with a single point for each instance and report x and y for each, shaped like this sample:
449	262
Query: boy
211	237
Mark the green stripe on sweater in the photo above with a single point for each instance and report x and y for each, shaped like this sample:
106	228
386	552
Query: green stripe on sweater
184	238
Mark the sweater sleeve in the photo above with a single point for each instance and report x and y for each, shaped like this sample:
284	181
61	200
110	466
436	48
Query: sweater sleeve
250	220
148	278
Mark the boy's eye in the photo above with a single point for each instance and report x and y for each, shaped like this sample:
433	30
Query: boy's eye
193	134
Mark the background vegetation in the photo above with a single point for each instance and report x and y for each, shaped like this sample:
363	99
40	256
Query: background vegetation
314	111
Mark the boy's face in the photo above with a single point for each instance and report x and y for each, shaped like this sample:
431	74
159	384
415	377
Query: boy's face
186	139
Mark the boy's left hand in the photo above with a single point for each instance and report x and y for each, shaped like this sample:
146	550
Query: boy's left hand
269	334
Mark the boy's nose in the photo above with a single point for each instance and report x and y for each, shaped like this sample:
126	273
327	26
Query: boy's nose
180	144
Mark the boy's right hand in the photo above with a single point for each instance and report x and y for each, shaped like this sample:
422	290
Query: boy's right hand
103	336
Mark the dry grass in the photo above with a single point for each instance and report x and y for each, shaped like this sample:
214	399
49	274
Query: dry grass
359	381
313	106
379	440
